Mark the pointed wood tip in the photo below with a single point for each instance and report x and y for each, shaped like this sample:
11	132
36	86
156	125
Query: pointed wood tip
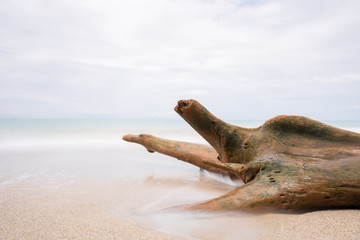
130	138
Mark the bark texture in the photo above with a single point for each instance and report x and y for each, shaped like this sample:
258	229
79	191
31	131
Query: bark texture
289	162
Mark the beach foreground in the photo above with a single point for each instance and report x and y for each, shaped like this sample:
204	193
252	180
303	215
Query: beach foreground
74	213
92	185
98	212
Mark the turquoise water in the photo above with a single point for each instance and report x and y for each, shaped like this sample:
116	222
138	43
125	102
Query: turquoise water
68	124
51	134
88	124
108	132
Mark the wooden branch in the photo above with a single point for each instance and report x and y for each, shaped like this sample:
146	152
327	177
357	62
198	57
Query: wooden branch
228	140
290	162
202	156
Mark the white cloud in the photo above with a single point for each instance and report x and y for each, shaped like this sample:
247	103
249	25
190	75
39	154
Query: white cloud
29	97
117	58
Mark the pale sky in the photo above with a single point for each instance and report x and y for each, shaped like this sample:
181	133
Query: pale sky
248	60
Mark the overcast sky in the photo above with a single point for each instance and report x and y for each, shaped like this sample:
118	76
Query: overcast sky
137	58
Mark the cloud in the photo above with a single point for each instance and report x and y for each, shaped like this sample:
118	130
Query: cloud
135	59
27	97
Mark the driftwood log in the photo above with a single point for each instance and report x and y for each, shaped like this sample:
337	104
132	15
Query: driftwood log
289	162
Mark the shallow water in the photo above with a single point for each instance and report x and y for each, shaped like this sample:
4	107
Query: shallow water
86	162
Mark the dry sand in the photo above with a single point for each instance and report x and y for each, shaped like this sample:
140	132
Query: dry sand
104	211
74	212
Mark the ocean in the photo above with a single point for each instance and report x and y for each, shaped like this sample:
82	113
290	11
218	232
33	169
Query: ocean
87	157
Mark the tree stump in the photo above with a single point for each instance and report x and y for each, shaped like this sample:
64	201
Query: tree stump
289	162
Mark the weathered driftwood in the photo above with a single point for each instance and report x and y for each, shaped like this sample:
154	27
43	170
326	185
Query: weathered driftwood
289	162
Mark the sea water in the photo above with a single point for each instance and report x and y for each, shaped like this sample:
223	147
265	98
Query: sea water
50	155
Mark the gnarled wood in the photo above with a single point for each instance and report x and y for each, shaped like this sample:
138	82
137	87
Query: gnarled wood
199	155
288	162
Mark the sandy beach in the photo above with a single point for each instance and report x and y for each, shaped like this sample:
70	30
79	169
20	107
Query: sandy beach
100	212
93	185
74	213
77	77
